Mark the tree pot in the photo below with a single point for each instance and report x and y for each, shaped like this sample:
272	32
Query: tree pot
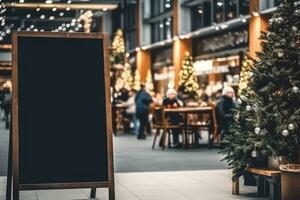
290	181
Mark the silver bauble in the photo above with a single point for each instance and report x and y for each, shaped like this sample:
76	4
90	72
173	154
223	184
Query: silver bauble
248	108
295	89
255	107
291	127
297	13
280	54
244	98
239	101
279	20
264	132
257	130
285	133
295	29
254	154
271	21
251	74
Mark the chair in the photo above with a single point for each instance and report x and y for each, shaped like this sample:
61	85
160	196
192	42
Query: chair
160	123
203	120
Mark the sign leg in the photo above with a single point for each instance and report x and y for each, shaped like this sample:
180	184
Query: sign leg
111	191
9	167
93	193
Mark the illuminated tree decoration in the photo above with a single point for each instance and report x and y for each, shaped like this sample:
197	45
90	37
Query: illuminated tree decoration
187	78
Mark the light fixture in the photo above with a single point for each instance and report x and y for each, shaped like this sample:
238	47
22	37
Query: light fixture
51	18
54	9
69	1
167	5
175	38
224	26
42	16
220	3
61	14
68	8
161	25
244	20
255	13
49	1
38	9
21	1
104	9
31	26
28	16
137	49
217	28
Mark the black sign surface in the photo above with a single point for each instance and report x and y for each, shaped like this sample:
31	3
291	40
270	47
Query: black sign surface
61	97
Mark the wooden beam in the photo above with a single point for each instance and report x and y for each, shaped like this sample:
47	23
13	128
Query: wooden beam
257	24
63	6
143	58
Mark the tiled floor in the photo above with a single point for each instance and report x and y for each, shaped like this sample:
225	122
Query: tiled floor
184	185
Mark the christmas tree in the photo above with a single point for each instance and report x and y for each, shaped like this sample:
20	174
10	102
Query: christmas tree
187	79
149	83
117	57
245	73
267	121
126	79
137	80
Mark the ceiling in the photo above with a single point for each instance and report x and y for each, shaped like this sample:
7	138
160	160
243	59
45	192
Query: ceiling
48	15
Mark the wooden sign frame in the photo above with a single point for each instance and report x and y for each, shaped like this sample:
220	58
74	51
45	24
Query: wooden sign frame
14	176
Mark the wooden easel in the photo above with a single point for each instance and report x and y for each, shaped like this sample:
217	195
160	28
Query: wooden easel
14	186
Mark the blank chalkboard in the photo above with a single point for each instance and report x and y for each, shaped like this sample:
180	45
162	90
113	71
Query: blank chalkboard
61	98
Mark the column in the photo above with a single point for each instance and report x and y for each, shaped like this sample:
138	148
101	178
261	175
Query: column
143	59
257	24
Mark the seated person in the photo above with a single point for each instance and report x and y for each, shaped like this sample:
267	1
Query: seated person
129	114
171	101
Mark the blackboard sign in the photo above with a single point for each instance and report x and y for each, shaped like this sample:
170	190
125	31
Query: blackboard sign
61	111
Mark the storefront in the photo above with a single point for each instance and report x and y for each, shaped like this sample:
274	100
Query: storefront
218	59
162	69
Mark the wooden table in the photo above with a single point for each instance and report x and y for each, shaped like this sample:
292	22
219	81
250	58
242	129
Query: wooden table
193	110
268	183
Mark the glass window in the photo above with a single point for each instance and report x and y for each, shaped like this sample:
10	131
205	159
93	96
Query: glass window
161	30
160	6
244	7
231	7
201	15
219	14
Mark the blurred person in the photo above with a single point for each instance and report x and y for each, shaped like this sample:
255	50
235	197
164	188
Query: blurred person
7	106
1	104
172	101
224	110
142	102
157	100
206	101
130	111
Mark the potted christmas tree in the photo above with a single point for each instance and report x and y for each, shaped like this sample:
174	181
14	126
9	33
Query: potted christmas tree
267	121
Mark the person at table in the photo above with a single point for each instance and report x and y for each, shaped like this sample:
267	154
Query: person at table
130	111
7	106
171	101
142	103
224	110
